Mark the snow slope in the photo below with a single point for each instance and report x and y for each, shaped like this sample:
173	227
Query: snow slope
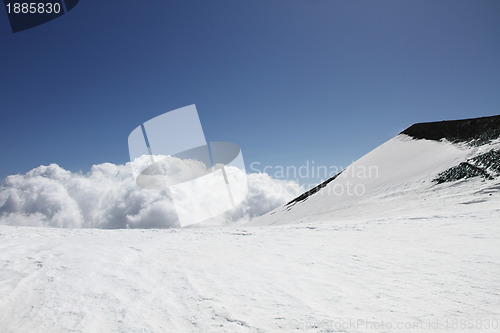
396	180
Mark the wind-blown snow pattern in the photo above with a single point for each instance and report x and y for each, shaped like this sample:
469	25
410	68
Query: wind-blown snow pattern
351	276
382	247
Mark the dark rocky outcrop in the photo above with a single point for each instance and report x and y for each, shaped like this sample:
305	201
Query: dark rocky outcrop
485	165
315	189
478	131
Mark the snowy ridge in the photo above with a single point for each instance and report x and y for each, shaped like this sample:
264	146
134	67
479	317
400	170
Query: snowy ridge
475	131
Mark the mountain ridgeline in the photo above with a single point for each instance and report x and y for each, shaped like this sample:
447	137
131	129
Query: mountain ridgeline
477	131
474	132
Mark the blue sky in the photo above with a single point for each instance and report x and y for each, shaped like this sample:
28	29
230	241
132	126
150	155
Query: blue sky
288	80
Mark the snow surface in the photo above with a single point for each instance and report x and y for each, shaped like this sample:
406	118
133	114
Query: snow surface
319	277
406	256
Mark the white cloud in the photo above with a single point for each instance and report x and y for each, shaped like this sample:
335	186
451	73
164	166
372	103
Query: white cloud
108	197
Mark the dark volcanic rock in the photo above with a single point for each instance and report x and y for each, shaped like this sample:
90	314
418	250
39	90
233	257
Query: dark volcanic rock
489	161
462	171
476	130
485	165
315	189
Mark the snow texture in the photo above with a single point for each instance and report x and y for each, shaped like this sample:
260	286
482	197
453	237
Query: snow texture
422	273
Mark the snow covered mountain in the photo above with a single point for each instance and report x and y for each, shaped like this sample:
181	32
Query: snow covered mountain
448	168
406	239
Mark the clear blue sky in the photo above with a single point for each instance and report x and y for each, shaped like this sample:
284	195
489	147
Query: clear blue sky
288	80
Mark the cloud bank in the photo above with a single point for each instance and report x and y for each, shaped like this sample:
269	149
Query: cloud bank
107	197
